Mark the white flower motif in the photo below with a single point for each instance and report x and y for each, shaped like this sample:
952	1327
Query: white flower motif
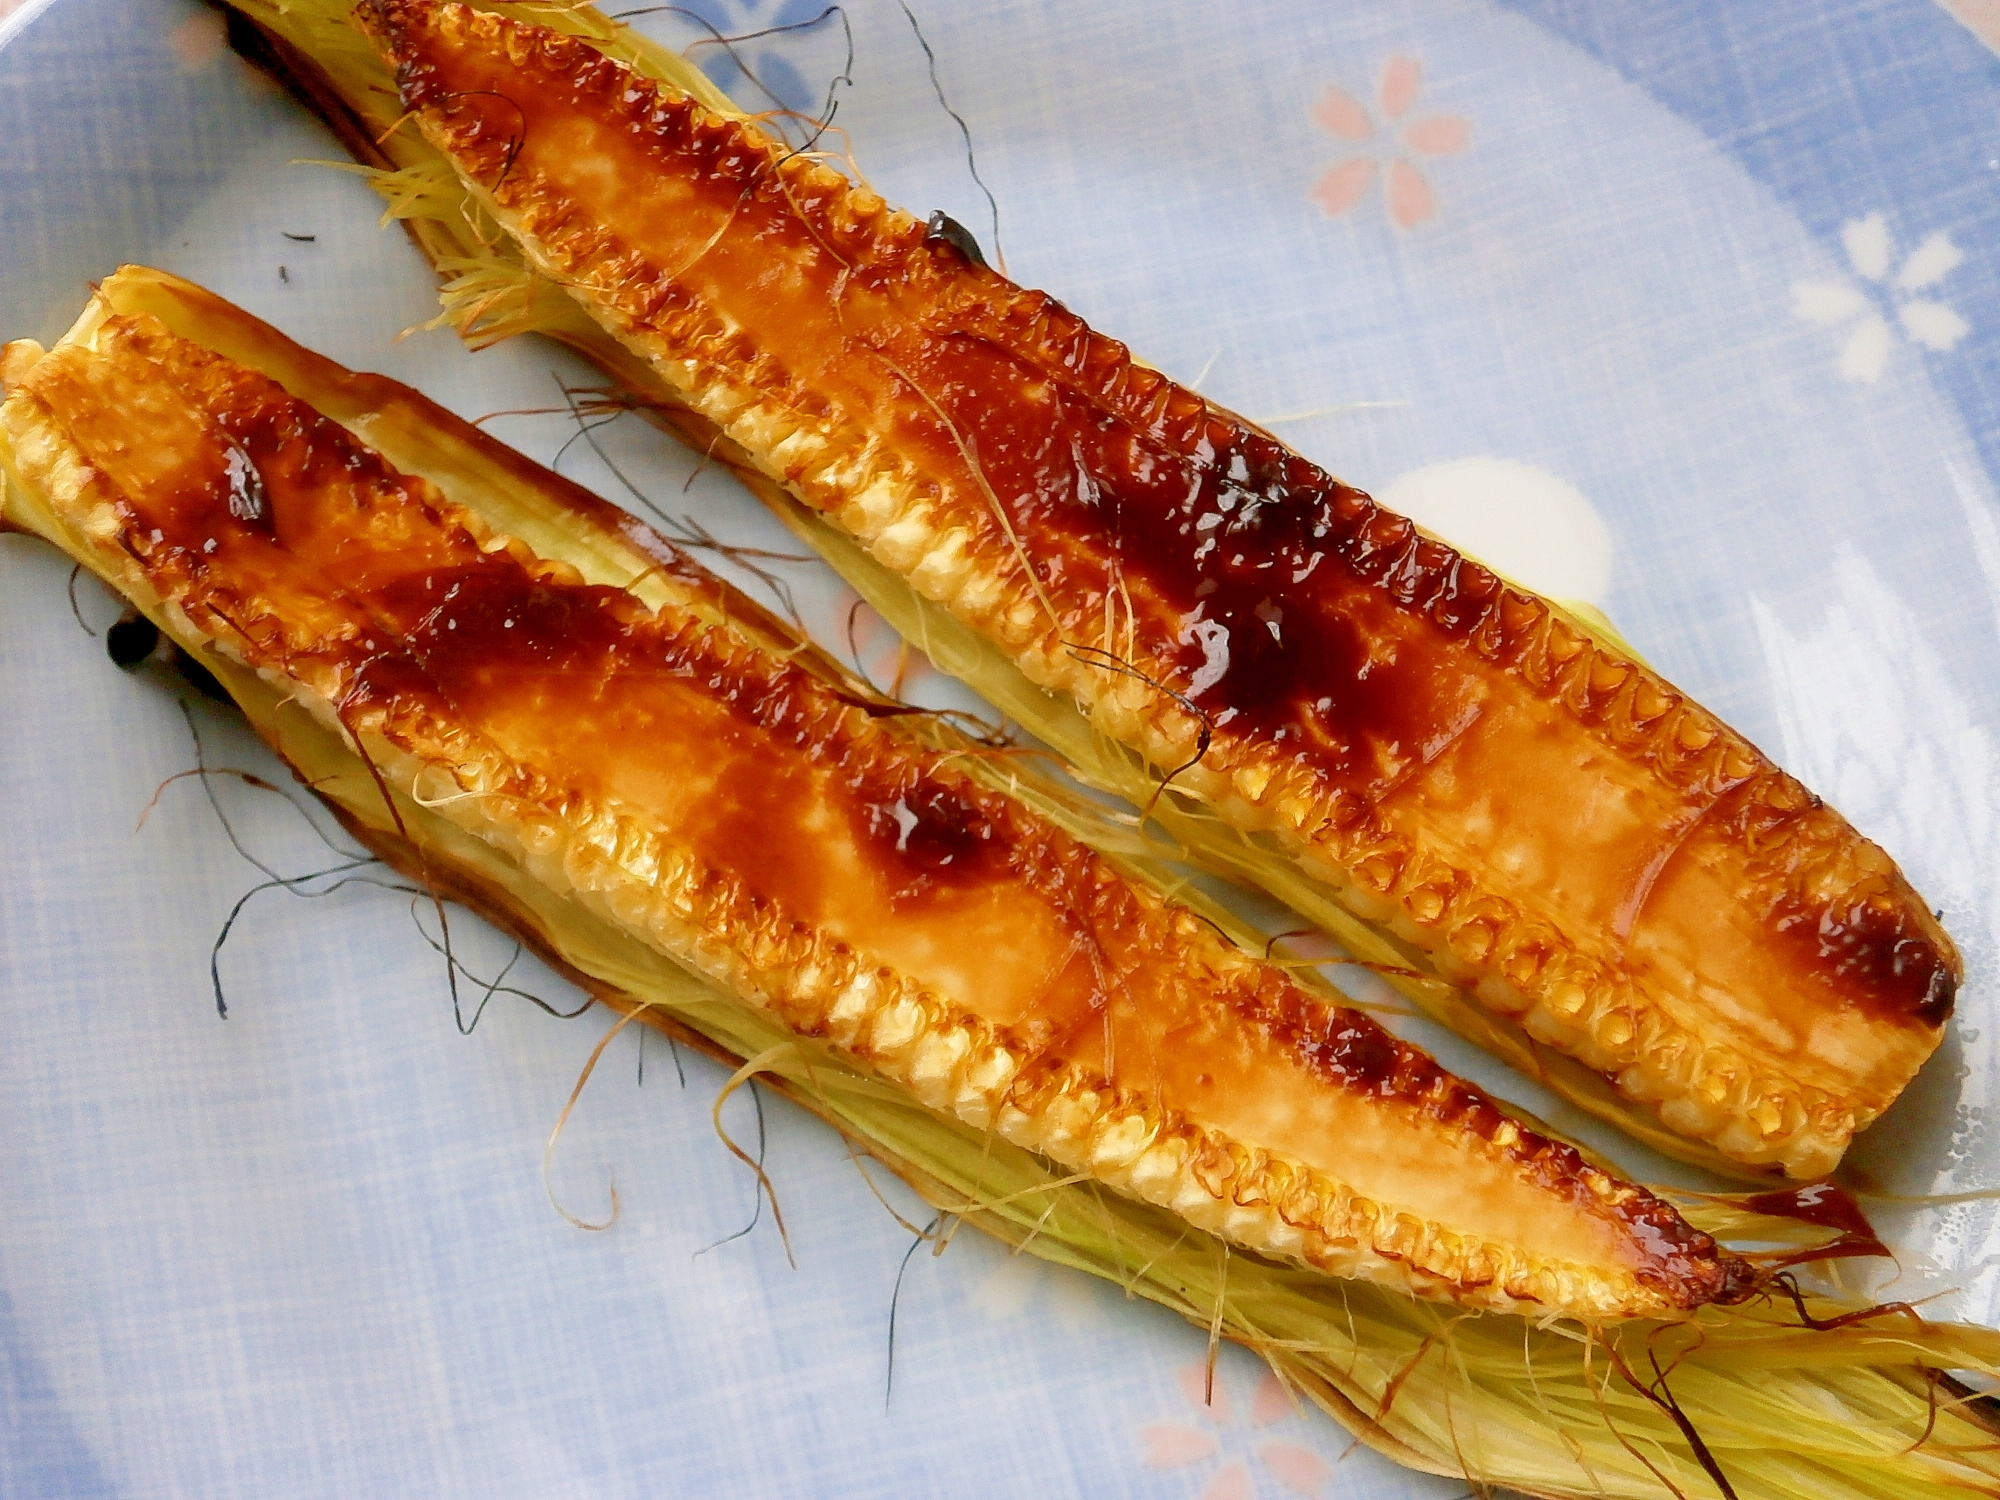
1019	1280
1925	320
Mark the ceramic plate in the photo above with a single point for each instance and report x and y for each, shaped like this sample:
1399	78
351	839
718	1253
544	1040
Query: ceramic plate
1685	309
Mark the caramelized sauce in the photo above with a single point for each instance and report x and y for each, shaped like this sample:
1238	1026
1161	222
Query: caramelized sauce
752	764
1223	1072
1827	1206
771	778
1260	590
1862	943
1295	615
1343	1044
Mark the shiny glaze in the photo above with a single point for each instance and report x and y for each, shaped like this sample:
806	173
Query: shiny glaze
1416	696
1864	944
750	757
1381	666
776	780
1826	1206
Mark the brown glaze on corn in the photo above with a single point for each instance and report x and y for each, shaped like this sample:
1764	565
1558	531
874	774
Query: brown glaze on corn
1593	853
756	822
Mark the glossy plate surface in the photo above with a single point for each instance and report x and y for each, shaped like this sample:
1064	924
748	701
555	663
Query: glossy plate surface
1689	311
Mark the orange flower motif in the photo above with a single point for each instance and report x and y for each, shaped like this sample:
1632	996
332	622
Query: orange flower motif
1406	190
874	648
1176	1445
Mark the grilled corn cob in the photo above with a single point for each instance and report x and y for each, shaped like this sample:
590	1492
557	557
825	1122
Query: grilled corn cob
755	822
1554	827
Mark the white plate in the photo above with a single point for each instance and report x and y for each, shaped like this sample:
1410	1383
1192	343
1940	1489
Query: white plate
1690	313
